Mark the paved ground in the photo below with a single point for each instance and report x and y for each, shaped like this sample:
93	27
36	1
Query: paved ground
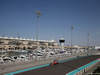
21	65
62	68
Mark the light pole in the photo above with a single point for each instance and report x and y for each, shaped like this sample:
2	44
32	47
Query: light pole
88	40
72	36
38	15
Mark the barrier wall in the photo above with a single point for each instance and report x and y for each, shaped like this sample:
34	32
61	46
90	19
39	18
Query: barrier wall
84	68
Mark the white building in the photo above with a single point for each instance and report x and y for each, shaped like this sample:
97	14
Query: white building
20	43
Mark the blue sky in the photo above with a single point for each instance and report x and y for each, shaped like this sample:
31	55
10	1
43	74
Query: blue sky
18	16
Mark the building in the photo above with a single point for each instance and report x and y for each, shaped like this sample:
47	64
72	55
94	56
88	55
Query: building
19	43
97	47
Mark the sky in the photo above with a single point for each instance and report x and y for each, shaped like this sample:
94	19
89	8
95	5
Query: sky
18	16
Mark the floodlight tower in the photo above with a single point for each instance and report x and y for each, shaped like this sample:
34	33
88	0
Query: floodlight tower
72	37
62	41
38	15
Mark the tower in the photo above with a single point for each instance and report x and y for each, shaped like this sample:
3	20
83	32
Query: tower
62	41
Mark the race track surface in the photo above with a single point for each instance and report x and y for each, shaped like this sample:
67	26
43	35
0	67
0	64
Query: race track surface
62	68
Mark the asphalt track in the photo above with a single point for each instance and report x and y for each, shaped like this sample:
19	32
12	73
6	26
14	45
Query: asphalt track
62	68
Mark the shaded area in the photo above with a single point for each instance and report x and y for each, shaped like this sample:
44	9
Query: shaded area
62	68
97	70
